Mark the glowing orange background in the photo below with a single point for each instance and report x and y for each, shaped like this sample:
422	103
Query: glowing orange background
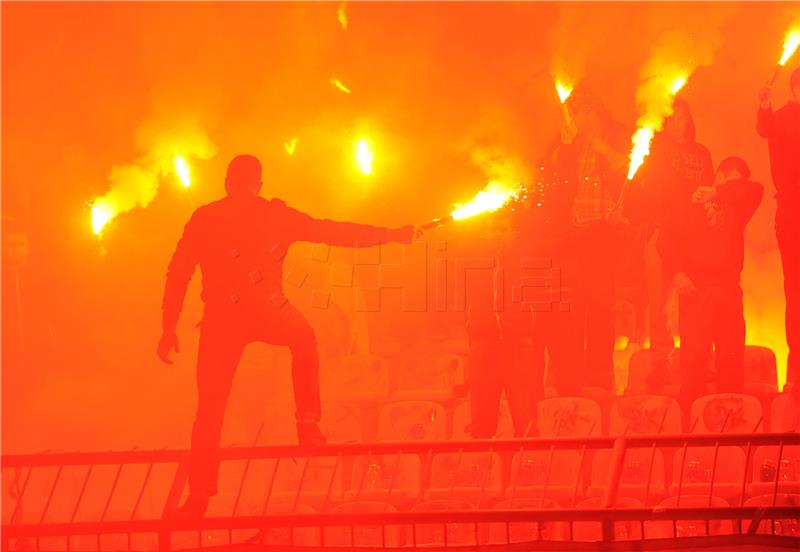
429	82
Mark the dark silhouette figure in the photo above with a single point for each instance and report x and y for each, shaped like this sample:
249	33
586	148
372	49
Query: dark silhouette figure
704	258
240	242
781	128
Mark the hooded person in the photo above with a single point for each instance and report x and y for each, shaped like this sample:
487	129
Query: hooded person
240	242
676	166
781	128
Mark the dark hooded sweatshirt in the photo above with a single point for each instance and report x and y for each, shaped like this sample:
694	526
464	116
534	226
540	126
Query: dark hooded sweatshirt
709	245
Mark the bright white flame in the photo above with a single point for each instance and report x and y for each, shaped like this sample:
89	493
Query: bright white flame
102	213
641	149
677	84
364	156
491	198
790	44
563	90
340	85
182	169
290	146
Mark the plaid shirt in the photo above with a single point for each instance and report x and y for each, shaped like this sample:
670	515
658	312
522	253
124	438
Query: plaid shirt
592	200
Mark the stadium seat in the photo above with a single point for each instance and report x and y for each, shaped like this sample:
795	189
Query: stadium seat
785	413
355	379
785	527
726	413
430	377
501	533
529	475
689	528
341	422
475	477
450	534
390	478
412	421
760	370
592	531
645	415
365	535
568	417
694	475
634	478
765	470
462	418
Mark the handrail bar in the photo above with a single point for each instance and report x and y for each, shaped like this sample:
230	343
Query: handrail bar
387	447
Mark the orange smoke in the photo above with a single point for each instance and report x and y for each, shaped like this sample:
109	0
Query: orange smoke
136	184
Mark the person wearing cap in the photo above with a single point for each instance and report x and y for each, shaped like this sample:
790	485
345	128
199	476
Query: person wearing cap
590	165
781	128
240	242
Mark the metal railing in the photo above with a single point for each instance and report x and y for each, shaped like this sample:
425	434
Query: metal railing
772	517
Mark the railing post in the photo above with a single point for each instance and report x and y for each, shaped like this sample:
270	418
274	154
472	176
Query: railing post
617	462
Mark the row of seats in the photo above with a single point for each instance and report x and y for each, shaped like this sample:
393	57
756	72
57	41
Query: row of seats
454	534
485	478
566	417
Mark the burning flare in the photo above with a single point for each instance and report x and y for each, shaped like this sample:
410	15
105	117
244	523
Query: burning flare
656	95
342	14
563	90
102	213
182	169
364	156
340	85
790	44
492	197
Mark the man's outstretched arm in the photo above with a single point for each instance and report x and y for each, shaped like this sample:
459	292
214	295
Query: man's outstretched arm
304	227
179	273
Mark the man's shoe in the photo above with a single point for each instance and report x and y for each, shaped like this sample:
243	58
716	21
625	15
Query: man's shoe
194	507
308	433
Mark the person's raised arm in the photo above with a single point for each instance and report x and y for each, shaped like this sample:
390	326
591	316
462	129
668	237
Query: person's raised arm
303	227
179	273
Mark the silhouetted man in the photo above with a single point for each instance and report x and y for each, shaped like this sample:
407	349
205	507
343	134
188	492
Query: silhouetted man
676	166
591	168
782	129
704	257
240	242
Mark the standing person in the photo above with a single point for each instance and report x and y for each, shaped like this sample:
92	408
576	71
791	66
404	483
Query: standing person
782	131
500	331
591	170
705	256
675	168
240	242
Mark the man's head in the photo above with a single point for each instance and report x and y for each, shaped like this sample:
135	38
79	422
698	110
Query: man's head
244	176
680	126
731	168
794	84
587	111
